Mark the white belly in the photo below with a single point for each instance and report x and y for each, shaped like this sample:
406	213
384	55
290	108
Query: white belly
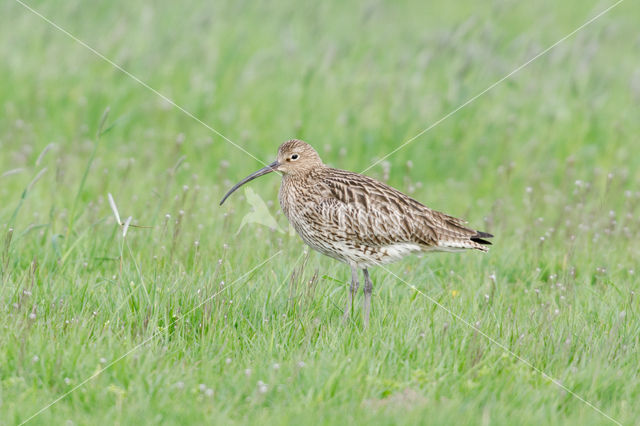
363	256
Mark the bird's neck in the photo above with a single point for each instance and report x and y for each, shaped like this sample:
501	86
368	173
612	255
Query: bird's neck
303	174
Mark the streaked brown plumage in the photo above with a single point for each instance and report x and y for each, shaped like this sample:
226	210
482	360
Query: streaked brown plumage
359	220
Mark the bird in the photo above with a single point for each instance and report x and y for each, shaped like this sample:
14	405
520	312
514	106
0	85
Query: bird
358	220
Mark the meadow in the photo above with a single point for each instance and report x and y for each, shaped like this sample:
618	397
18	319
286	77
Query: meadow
188	319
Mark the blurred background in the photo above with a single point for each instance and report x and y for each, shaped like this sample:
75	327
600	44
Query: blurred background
355	80
546	160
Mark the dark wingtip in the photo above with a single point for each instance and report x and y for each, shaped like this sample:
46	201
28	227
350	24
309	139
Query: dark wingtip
478	238
481	241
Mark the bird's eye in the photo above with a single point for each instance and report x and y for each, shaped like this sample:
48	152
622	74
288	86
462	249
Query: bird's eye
294	157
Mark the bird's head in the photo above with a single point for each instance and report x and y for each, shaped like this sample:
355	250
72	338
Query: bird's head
295	157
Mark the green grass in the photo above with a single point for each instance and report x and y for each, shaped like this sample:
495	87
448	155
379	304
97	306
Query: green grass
551	152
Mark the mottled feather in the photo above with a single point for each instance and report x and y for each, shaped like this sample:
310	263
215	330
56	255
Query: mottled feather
338	212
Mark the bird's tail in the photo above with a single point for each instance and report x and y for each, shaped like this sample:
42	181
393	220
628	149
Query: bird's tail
475	242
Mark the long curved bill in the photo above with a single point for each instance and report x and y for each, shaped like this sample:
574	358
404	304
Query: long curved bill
263	171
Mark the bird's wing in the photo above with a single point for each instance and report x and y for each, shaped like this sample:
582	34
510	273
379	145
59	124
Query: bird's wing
367	227
381	215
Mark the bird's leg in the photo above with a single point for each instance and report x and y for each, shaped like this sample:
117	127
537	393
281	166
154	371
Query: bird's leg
352	291
368	287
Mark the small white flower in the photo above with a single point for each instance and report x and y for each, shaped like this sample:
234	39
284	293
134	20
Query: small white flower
112	203
125	226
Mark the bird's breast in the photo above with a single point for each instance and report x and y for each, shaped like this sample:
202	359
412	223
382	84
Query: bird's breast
300	203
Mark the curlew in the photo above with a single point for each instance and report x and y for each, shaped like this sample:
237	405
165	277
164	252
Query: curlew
358	220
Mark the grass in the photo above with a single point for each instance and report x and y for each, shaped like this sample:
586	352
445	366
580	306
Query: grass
546	161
